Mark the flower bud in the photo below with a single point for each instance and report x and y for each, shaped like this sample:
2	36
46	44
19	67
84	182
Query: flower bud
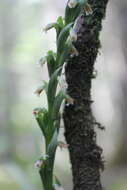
38	164
72	3
73	35
74	52
36	111
69	100
39	90
88	9
45	157
42	61
48	27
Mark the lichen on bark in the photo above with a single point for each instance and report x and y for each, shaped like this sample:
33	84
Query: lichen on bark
85	154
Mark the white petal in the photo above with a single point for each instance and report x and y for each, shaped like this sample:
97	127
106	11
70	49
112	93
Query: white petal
73	35
72	3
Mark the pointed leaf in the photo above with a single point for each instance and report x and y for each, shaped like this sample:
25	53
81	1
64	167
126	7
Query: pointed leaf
57	181
51	149
61	25
45	86
53	145
57	104
60	21
56	184
41	116
51	61
41	88
53	25
63	37
72	13
63	56
52	86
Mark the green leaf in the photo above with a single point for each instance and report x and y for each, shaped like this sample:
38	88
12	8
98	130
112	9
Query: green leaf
46	177
60	21
69	14
58	101
41	115
57	123
57	181
53	145
51	61
72	13
57	104
46	171
51	149
69	49
61	25
63	56
52	87
62	38
45	86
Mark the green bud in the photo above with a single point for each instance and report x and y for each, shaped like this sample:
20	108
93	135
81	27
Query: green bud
42	61
49	26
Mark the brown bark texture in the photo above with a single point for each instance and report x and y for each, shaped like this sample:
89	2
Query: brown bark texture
85	154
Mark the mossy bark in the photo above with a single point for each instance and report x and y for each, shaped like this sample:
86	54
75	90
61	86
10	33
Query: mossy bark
85	154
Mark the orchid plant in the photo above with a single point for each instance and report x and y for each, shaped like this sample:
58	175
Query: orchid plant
49	119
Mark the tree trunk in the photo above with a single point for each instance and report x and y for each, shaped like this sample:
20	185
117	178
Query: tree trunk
121	153
85	154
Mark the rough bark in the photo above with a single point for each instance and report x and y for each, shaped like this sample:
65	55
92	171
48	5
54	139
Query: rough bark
85	154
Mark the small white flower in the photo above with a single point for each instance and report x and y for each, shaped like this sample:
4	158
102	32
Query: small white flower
70	100
88	9
38	164
62	82
39	91
45	156
74	52
36	111
42	61
72	3
48	27
73	35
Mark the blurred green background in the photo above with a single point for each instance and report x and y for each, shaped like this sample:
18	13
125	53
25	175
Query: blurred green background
22	43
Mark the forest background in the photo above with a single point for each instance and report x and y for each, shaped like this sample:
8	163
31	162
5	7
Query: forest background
22	43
